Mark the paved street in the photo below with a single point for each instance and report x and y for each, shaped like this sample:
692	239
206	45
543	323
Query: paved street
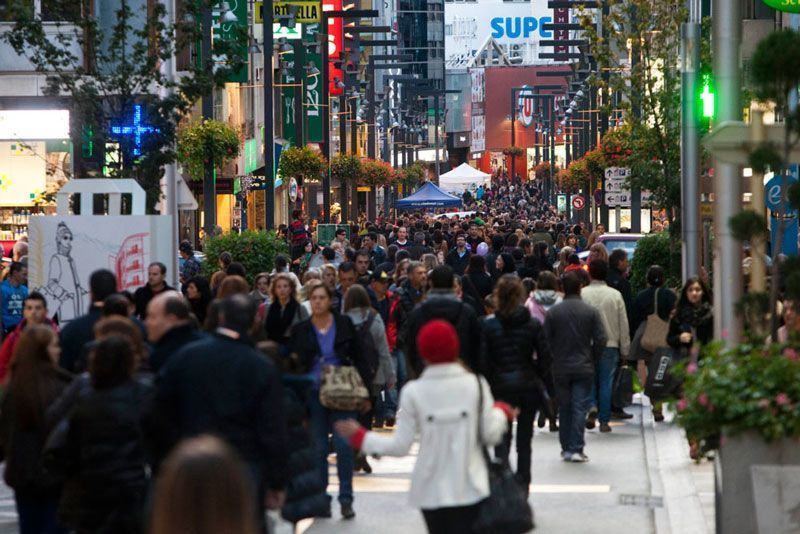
636	460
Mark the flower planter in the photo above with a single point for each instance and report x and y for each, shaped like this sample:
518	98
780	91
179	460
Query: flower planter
740	507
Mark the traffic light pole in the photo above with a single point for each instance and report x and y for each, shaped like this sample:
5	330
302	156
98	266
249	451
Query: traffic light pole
726	40
690	137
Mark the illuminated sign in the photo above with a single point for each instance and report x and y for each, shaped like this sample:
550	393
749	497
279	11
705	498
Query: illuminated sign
34	124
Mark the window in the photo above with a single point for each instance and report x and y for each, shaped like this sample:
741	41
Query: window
60	10
48	10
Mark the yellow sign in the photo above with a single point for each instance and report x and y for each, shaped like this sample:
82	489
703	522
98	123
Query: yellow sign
707	210
364	189
304	11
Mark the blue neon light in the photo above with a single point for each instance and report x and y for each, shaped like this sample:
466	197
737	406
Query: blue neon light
137	129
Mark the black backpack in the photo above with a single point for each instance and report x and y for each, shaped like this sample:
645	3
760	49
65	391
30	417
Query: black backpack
367	344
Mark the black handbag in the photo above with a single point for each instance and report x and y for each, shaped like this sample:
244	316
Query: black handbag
661	383
623	387
506	509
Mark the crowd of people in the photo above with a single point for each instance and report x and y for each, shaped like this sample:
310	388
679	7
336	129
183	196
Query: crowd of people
107	421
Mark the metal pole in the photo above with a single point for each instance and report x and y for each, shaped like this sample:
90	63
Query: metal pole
269	122
690	137
758	267
513	131
209	185
436	133
170	176
726	39
326	123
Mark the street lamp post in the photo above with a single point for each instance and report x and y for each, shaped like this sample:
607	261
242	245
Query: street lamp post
269	121
209	185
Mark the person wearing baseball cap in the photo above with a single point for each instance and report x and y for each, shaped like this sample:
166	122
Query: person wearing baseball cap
450	478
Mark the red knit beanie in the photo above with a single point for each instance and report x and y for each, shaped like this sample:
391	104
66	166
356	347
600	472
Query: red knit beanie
437	342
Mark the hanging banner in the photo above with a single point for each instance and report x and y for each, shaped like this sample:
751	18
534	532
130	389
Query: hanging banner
335	46
288	101
561	16
228	31
312	110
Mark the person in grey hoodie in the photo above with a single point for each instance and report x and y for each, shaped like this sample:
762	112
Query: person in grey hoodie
357	306
544	297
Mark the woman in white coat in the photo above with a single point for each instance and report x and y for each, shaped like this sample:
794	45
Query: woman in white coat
450	477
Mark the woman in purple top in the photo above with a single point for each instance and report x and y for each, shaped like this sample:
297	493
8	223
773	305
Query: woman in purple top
329	339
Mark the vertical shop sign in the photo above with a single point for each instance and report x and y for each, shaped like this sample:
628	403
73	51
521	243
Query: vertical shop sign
313	90
229	31
288	100
561	16
335	45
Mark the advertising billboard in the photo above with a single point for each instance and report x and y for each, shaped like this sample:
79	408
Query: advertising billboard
516	26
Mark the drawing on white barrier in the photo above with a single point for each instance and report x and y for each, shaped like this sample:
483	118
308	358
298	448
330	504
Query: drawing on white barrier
63	289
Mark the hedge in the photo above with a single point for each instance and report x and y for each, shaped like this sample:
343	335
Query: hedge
253	249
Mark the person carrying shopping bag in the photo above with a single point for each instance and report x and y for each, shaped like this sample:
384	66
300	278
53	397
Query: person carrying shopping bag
450	479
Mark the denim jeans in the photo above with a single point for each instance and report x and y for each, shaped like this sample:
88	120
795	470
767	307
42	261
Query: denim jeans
604	383
37	513
322	420
390	401
572	392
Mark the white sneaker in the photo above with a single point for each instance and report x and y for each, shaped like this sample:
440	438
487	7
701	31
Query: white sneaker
578	458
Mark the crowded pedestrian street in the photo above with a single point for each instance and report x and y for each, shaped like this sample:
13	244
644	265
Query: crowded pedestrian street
441	266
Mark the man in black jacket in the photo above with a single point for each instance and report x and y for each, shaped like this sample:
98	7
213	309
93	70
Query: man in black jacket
576	337
156	284
169	327
458	258
222	385
80	331
441	302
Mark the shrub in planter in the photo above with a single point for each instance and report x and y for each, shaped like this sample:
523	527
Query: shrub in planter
255	250
655	249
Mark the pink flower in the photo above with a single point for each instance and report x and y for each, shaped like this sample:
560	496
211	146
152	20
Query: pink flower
682	405
725	333
782	399
702	399
763	403
691	368
791	354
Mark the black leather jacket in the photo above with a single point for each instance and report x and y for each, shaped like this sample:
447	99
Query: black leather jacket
514	352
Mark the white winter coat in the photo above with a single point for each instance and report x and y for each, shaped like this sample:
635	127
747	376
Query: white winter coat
441	408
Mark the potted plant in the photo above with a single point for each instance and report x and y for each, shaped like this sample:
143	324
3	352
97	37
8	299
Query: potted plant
514	151
376	173
347	169
302	163
206	143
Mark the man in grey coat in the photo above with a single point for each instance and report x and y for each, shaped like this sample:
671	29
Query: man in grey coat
577	338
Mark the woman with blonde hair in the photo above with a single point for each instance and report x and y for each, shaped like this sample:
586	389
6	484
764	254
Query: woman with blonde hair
565	253
203	488
284	311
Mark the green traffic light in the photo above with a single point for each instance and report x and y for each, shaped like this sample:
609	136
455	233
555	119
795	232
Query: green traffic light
707	97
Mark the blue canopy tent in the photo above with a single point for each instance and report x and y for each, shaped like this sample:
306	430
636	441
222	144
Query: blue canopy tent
428	196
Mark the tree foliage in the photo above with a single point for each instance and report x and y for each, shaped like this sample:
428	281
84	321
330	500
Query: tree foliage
206	143
649	34
413	175
256	250
105	69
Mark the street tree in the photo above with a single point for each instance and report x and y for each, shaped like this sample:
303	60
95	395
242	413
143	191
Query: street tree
107	60
636	45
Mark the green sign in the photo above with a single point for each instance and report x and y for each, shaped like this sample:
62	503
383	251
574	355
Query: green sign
327	232
312	103
250	156
288	100
787	6
228	31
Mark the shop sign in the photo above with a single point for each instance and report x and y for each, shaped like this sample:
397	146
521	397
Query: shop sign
516	26
335	46
292	189
228	31
525	105
478	134
288	101
250	156
312	109
304	11
562	203
787	6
